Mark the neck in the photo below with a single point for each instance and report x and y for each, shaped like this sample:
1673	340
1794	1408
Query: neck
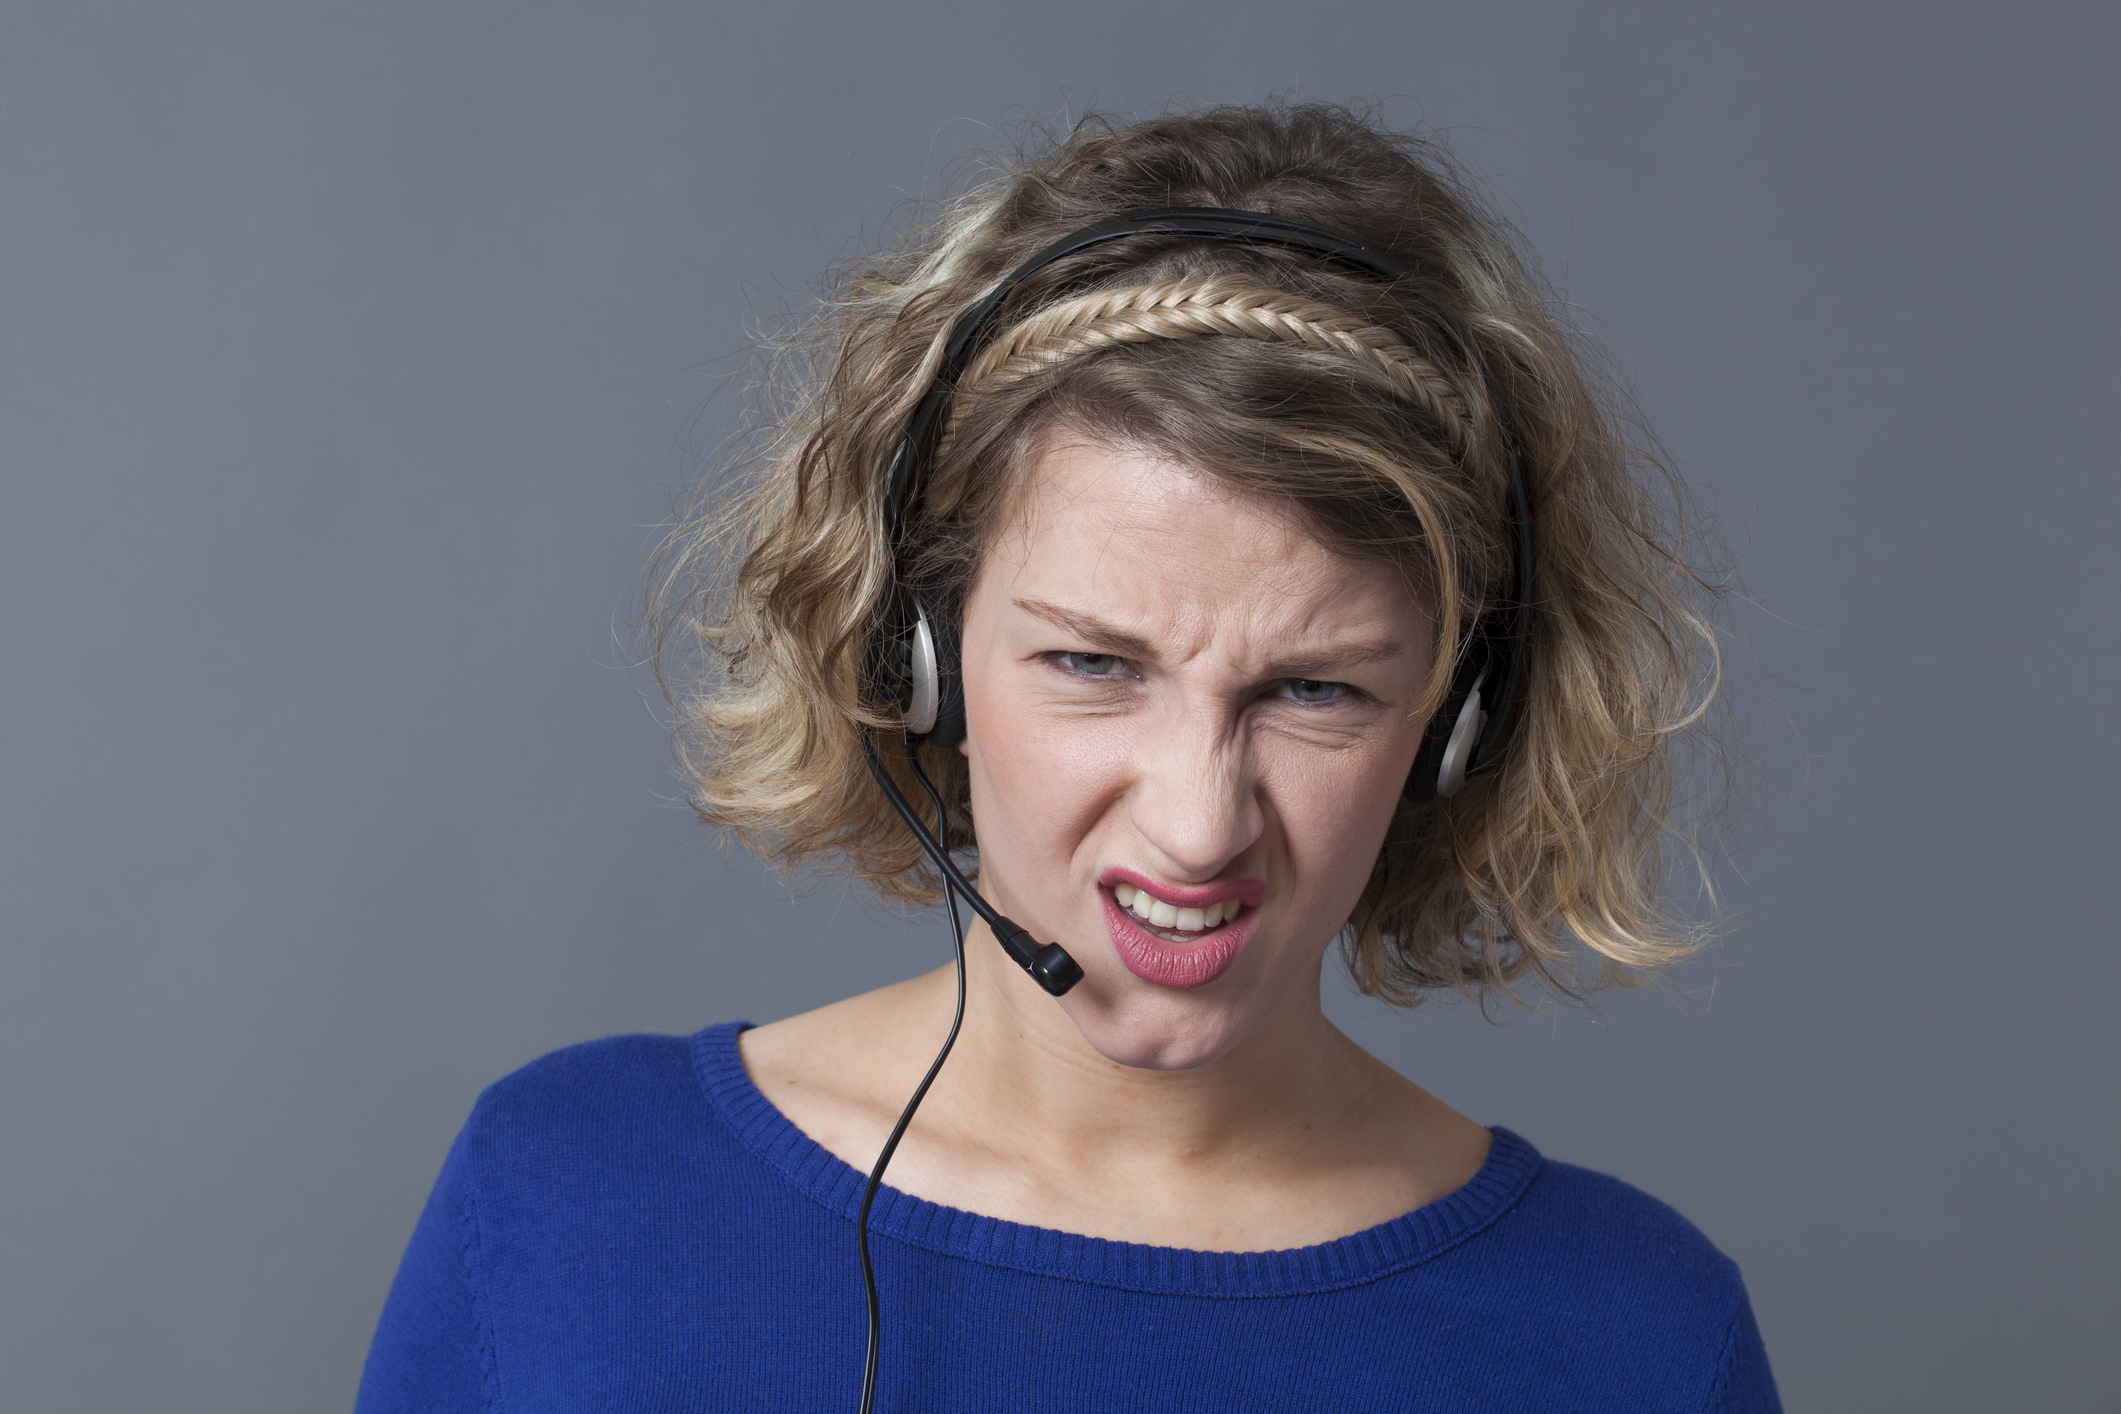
1023	1076
1290	1136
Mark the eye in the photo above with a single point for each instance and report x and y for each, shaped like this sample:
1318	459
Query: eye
1094	665
1307	690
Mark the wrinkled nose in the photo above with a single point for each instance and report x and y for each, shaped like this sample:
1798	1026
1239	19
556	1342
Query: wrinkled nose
1193	798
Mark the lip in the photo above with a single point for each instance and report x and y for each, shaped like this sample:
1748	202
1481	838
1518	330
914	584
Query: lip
1249	892
1169	964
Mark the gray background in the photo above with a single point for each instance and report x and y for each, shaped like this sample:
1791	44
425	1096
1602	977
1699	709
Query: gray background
350	355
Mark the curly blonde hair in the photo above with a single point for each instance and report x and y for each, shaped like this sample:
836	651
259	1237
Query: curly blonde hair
1375	414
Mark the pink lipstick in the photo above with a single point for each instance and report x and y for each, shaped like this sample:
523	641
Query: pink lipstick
1191	963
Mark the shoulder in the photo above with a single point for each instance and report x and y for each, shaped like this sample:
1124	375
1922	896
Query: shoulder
592	1083
1609	1285
581	1082
517	1201
1590	1234
1596	1224
618	1102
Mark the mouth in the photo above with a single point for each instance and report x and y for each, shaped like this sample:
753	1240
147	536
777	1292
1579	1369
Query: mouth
1170	922
1179	937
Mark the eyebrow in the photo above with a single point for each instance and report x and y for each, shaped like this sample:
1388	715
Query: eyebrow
1089	628
1110	638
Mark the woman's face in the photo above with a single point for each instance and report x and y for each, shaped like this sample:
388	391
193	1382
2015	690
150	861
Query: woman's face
1189	724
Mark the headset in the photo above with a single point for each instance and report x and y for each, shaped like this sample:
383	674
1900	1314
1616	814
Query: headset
913	662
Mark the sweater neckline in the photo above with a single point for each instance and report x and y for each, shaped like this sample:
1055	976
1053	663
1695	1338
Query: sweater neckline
1358	1258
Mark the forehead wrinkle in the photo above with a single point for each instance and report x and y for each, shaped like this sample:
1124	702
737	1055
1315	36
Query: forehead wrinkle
1272	599
1336	659
1307	630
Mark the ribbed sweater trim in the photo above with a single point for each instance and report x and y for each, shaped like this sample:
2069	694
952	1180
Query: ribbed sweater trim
1366	1256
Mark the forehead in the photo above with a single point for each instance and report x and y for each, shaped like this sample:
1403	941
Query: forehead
1134	537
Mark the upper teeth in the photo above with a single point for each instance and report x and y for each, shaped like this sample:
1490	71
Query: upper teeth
1155	912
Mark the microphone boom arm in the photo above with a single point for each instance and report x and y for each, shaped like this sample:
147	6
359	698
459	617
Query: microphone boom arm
1049	965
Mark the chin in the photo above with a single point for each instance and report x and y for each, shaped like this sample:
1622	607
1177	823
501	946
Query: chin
1157	1033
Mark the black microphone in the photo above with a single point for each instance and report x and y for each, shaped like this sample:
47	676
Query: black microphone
1049	965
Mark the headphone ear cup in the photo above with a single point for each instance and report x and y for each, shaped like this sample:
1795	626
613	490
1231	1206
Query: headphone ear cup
1447	746
922	692
949	727
1458	751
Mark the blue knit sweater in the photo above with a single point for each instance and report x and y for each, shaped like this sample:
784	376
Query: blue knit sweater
630	1225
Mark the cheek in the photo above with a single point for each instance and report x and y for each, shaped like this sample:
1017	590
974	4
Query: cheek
1334	813
1039	787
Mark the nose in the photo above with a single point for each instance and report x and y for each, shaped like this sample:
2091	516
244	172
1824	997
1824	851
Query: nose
1193	798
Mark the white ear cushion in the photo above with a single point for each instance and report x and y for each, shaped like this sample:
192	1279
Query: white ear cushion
1459	749
927	682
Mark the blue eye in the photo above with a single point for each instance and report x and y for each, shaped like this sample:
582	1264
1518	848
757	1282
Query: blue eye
1094	665
1305	690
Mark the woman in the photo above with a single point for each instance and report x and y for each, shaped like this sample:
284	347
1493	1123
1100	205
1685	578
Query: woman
1207	529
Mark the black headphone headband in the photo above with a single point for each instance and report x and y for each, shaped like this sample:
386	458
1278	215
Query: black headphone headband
1461	737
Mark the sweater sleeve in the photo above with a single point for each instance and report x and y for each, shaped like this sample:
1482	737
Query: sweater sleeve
1744	1384
432	1351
